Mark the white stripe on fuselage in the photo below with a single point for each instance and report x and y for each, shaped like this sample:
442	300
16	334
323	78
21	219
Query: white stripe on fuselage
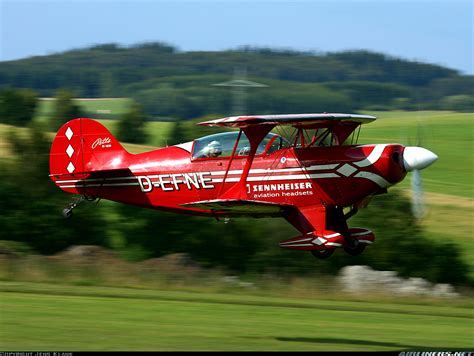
372	157
281	170
235	172
258	174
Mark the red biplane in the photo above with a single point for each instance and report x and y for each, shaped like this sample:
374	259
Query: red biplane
316	180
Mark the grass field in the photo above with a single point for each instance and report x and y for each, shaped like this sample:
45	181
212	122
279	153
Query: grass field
71	318
158	135
104	106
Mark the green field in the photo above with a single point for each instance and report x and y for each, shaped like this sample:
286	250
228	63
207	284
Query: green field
70	318
103	107
158	133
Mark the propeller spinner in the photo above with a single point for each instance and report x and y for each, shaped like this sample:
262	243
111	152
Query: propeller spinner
415	158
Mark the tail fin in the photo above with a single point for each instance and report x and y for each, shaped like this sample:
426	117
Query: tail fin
83	146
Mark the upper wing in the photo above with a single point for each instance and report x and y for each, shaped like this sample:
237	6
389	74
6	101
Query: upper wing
289	119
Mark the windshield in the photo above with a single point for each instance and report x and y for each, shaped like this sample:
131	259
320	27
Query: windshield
222	144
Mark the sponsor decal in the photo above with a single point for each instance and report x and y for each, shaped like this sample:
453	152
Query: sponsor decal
275	190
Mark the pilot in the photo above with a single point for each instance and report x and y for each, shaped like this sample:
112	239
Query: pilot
213	149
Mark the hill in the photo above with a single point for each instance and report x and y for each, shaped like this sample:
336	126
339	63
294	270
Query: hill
180	84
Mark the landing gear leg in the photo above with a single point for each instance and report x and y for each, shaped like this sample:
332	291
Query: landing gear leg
67	212
337	220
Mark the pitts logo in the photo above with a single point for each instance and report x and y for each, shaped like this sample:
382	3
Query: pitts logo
170	182
102	142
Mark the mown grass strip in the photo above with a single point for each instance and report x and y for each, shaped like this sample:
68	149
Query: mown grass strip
437	309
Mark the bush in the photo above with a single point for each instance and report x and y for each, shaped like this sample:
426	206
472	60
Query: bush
463	103
131	127
64	109
17	107
14	248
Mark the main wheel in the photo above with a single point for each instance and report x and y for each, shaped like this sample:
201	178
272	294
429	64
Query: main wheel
323	254
355	251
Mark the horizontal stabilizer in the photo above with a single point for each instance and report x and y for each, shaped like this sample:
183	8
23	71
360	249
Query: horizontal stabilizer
238	207
328	239
96	175
90	183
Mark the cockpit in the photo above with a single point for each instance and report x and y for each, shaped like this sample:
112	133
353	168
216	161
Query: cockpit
222	145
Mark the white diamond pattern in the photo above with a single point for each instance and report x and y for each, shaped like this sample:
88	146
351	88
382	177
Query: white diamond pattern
70	167
70	151
318	241
69	133
347	170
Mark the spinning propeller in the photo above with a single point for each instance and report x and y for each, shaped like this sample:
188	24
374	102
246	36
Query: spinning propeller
416	158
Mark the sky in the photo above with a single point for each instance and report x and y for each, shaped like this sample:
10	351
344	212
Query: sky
438	32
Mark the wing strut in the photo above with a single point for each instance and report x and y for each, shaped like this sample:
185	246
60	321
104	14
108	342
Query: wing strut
230	162
255	135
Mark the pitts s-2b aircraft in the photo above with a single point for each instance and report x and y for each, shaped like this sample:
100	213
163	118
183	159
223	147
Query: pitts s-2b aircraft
316	180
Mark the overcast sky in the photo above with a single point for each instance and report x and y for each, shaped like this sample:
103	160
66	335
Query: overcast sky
439	32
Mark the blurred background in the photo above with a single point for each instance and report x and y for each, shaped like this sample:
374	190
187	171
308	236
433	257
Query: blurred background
149	71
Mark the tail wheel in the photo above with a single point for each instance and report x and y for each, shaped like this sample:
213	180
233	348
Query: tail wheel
67	213
355	251
323	254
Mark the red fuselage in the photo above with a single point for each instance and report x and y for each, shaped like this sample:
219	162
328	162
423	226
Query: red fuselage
167	178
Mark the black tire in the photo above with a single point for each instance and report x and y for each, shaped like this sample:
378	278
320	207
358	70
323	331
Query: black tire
322	254
356	250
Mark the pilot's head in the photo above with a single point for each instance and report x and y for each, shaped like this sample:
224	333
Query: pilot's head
214	149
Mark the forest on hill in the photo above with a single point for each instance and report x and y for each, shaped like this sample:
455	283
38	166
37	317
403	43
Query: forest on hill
172	83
